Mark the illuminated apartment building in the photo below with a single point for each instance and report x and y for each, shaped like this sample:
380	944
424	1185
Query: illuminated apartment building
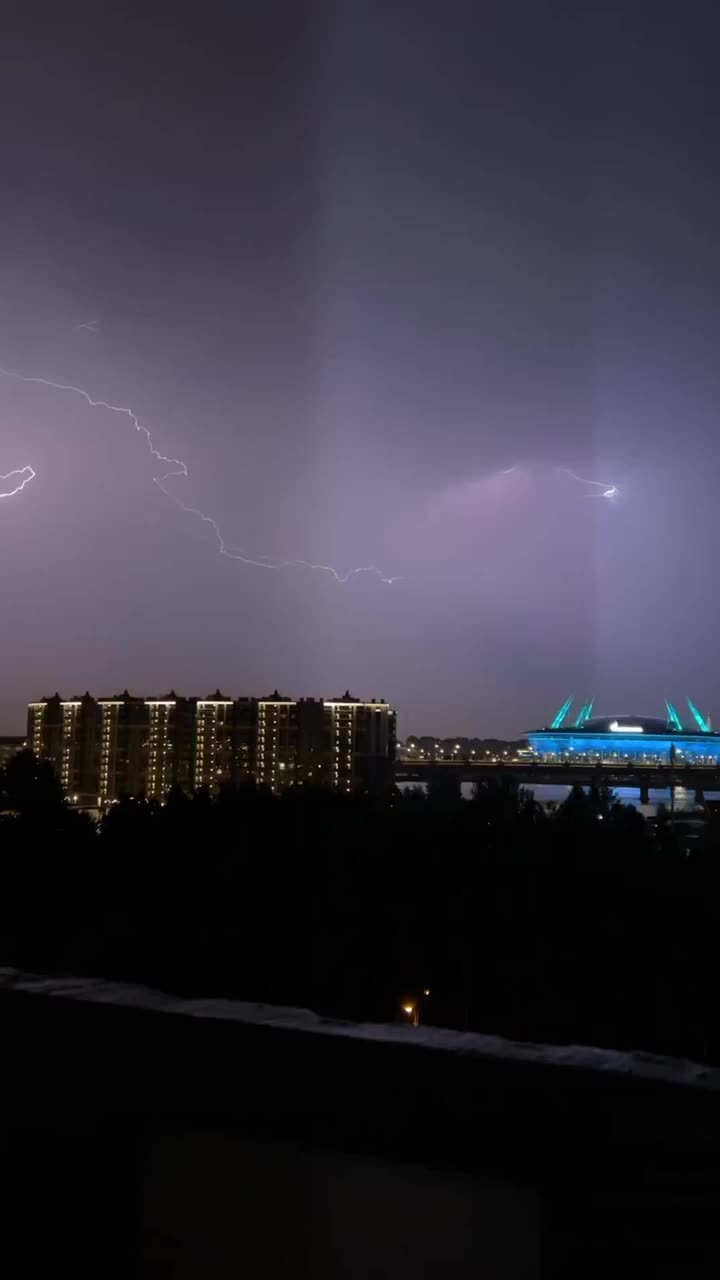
79	768
314	762
45	729
170	744
277	741
225	741
214	742
362	742
128	746
159	773
65	732
124	735
342	743
292	743
245	726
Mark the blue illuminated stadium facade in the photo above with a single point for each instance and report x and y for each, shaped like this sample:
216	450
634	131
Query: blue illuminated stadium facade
636	739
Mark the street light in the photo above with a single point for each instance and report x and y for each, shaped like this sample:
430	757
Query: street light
411	1008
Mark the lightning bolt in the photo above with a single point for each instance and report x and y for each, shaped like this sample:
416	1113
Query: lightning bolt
88	326
24	476
610	492
179	468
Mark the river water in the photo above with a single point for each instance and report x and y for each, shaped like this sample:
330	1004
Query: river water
684	799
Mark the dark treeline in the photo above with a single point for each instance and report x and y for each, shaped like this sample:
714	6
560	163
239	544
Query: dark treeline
586	924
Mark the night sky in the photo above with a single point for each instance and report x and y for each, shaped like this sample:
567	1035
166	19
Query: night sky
381	273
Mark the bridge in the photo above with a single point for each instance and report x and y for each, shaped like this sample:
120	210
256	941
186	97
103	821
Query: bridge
534	773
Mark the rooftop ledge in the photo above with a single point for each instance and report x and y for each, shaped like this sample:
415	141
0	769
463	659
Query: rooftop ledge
637	1065
581	1154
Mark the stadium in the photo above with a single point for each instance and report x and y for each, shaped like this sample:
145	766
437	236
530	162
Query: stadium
635	739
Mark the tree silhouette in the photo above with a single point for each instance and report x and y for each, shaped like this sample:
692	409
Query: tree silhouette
585	923
29	786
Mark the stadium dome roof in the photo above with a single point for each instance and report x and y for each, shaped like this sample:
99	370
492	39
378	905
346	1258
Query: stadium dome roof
615	724
582	720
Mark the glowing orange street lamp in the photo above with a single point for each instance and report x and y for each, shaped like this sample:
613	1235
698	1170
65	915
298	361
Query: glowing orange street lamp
411	1008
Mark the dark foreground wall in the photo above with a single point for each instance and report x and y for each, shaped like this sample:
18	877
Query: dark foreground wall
138	1142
